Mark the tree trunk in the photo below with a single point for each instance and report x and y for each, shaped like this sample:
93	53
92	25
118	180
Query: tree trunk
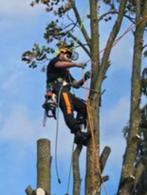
92	178
76	170
127	177
43	165
93	172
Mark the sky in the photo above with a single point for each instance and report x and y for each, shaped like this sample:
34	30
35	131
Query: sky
22	94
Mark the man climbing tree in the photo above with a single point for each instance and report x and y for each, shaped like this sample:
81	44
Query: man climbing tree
59	82
89	40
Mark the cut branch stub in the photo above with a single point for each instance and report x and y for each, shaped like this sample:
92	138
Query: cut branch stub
104	156
29	190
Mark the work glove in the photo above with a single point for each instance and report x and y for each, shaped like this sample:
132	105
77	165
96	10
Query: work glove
81	65
87	75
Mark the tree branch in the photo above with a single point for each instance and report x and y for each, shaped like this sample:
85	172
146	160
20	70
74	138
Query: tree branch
111	39
144	46
71	24
103	157
82	28
115	12
80	43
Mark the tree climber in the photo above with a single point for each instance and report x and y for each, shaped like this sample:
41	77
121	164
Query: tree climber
59	82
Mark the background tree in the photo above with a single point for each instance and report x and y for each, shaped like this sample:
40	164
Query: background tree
58	34
134	163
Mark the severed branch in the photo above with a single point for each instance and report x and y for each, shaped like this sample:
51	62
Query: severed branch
105	64
132	20
76	170
82	28
103	157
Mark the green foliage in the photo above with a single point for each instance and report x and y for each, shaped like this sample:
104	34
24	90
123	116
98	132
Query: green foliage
144	82
54	32
59	7
131	6
35	55
111	4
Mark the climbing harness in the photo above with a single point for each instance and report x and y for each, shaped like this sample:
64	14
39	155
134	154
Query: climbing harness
51	103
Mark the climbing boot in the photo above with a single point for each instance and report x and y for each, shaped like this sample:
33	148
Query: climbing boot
82	138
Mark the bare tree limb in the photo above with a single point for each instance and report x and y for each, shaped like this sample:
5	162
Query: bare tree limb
79	20
103	157
80	43
115	12
112	36
71	24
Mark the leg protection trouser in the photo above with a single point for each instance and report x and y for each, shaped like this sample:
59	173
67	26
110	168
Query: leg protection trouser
68	104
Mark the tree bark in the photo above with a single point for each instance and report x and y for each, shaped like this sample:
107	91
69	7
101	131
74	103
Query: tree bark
91	184
128	165
76	170
104	156
43	165
93	171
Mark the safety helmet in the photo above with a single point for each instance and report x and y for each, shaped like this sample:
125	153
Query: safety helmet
65	50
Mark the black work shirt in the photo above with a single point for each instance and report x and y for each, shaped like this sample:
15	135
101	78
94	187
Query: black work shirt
53	73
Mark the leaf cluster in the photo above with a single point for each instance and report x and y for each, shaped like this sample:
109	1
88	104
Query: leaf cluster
59	7
131	6
32	57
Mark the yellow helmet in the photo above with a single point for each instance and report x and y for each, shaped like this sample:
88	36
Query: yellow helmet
64	50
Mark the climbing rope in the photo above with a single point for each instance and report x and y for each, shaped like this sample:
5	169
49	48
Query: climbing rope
69	175
56	139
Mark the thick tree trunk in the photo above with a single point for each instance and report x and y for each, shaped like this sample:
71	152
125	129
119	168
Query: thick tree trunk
43	165
92	178
127	178
93	171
